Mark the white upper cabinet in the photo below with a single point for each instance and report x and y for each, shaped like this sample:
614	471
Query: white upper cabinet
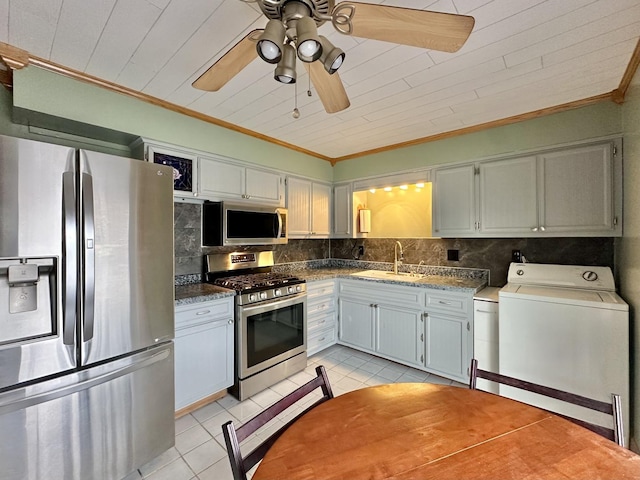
454	207
321	209
206	176
570	192
508	196
221	180
342	211
577	190
309	206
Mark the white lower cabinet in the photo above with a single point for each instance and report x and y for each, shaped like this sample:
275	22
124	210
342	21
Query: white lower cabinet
447	345
203	350
383	319
400	334
321	315
423	328
356	322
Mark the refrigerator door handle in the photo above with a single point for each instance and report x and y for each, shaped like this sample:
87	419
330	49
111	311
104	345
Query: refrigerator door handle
88	251
63	386
70	268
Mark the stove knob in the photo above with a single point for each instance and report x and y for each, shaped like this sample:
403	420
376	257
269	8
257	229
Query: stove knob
263	295
298	288
290	290
252	297
277	292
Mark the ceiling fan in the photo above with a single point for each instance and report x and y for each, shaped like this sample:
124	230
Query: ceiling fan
292	31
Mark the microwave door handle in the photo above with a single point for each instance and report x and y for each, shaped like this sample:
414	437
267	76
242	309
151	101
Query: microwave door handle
279	216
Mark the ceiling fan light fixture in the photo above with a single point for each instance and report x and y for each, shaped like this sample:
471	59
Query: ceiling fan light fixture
285	72
271	42
308	42
332	57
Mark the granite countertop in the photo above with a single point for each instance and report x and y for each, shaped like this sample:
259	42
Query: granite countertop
438	282
200	292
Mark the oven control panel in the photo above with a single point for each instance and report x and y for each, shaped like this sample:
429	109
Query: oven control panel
272	293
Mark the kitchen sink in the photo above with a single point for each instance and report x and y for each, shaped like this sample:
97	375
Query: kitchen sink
386	275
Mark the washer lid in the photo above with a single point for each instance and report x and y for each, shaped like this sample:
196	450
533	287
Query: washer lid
567	276
569	296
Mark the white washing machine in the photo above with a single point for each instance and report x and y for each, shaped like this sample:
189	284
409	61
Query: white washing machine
565	327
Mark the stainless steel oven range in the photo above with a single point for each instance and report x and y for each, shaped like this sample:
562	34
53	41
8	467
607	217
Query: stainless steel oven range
270	317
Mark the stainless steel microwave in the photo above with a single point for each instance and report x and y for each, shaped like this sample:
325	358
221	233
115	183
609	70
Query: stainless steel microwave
226	223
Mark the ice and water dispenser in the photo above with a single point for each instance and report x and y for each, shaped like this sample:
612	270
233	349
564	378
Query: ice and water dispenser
27	298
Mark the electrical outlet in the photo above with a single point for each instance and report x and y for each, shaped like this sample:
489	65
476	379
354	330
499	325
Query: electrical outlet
516	256
360	250
453	255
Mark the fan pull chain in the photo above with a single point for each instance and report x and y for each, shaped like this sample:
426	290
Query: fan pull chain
296	112
309	89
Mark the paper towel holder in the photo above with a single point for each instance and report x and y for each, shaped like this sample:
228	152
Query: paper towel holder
364	217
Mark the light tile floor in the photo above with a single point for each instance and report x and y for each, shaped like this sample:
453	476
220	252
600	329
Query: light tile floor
199	452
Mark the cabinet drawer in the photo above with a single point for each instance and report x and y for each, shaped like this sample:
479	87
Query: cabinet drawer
383	293
320	288
448	302
320	340
318	322
188	315
321	305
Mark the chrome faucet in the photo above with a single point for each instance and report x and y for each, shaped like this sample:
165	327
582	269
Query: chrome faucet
397	262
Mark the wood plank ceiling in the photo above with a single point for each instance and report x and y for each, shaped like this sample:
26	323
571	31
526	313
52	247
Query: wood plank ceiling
522	56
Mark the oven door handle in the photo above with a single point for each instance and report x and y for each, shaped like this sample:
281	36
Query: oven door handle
271	305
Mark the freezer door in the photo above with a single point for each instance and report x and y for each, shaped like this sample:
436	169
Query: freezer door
38	260
126	244
100	423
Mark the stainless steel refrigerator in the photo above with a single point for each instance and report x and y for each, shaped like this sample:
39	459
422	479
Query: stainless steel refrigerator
86	312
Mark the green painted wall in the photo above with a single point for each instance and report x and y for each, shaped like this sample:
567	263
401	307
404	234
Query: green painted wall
628	247
49	93
574	125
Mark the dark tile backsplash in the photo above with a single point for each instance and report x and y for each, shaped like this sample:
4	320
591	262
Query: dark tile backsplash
491	254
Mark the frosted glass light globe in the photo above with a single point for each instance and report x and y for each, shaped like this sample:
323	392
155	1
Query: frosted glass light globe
269	50
336	63
308	48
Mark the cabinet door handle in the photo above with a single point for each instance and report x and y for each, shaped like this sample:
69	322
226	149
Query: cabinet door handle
203	312
230	322
484	311
322	321
542	229
422	359
442	302
468	326
322	339
534	229
422	337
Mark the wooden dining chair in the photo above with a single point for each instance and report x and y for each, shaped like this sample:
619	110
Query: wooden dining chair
240	464
614	408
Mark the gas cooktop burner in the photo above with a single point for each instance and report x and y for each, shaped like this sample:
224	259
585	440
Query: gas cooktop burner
256	281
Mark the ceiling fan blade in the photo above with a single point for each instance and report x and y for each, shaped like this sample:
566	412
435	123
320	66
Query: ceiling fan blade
420	28
230	64
329	87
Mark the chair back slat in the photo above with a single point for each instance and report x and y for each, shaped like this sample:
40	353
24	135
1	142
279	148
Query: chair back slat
233	436
613	408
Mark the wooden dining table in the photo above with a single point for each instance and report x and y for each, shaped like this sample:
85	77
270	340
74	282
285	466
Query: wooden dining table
421	431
